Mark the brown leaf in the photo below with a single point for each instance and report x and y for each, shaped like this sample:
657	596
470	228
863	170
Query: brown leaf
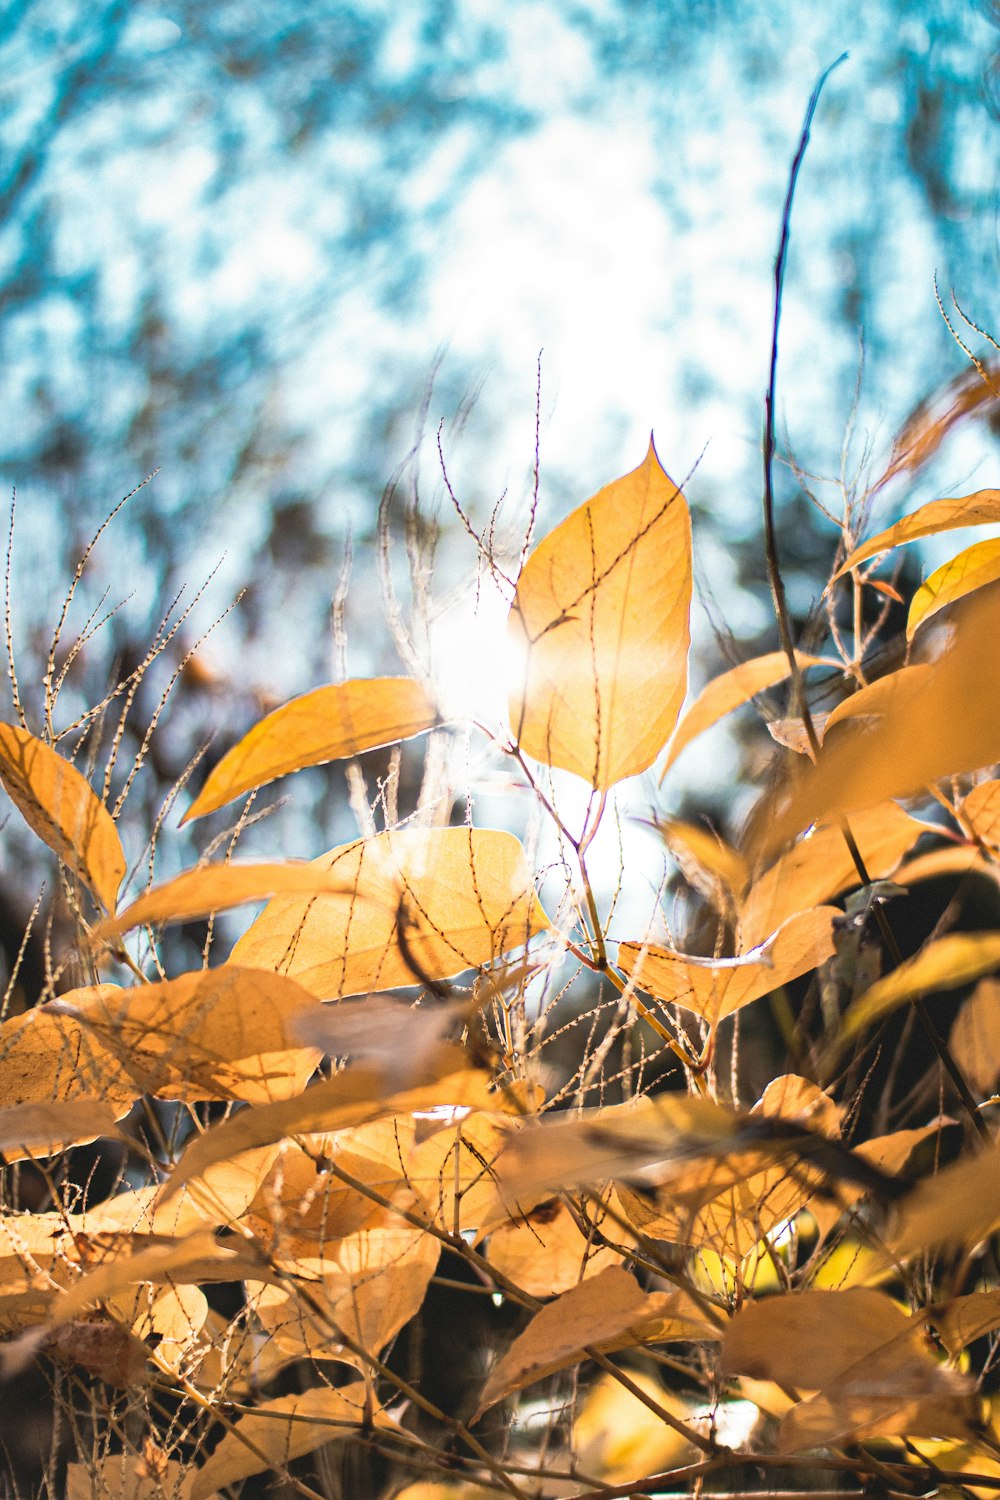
60	806
326	724
458	896
959	1206
122	1476
807	1339
609	1312
731	690
399	1038
103	1348
979	509
600	630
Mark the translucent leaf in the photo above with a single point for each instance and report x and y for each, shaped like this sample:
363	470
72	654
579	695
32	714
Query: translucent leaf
715	990
808	1339
284	1429
820	866
45	1059
609	1312
124	1476
732	689
932	722
943	964
712	866
599	629
971	569
981	809
206	889
224	1033
975	1036
411	905
326	724
349	1098
620	1440
959	1206
979	509
60	806
545	1253
964	1319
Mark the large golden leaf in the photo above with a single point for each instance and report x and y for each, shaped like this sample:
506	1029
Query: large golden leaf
971	569
60	806
50	1058
599	629
979	509
732	689
222	1033
326	724
412	905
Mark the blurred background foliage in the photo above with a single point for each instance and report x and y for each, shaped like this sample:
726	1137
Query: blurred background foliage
267	249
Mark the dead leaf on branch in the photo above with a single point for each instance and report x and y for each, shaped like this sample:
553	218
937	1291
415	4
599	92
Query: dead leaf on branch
327	724
599	630
60	806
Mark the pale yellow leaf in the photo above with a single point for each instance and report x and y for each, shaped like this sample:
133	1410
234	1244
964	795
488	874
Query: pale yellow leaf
716	989
943	964
206	889
349	1098
731	689
60	806
981	809
820	866
975	1036
979	509
707	862
618	1439
971	569
284	1429
326	724
959	1206
124	1476
599	631
47	1058
460	897
171	1316
611	1311
222	1033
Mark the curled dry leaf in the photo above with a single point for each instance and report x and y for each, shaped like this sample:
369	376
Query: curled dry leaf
609	1312
413	905
730	690
599	630
979	509
222	1033
717	989
284	1429
60	806
326	724
943	964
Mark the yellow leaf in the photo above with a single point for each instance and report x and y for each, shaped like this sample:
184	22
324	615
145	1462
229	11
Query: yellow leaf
732	689
981	809
284	1429
46	1128
971	569
932	721
820	866
712	866
123	1476
959	1206
326	724
412	905
975	1036
715	989
609	1312
545	1254
979	509
620	1440
943	964
224	1033
964	1319
60	806
599	629
808	1339
349	1098
47	1058
206	889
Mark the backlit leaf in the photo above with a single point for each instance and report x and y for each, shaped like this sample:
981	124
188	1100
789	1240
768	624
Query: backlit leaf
599	629
959	1206
326	724
123	1476
981	809
224	1033
411	905
47	1058
971	569
545	1253
619	1439
943	964
609	1312
731	689
979	509
975	1036
808	1339
60	806
284	1429
707	862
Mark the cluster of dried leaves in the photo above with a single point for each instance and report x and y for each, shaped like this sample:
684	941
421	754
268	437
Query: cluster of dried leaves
709	1291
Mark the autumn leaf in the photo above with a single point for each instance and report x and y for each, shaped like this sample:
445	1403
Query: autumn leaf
60	806
47	1059
46	1128
609	1312
731	690
411	905
326	724
975	1036
599	629
545	1252
943	964
959	1206
981	810
123	1476
713	867
979	509
281	1430
971	569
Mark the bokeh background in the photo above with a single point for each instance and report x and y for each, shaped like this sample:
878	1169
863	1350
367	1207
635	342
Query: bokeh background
267	249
